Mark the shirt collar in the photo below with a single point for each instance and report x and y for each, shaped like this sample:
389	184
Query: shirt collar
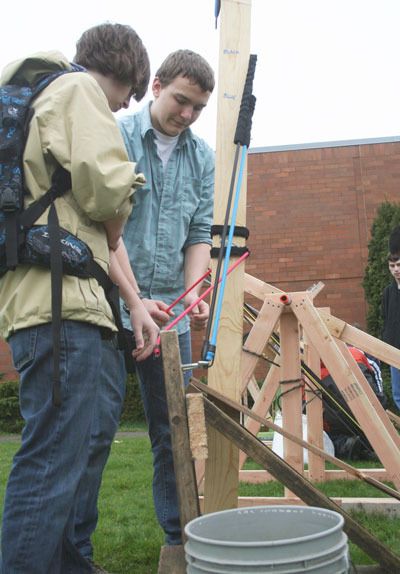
146	126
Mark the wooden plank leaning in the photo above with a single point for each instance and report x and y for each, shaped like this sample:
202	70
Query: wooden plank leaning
172	558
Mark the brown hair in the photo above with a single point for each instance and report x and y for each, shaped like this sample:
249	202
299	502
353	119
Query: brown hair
115	50
189	65
393	257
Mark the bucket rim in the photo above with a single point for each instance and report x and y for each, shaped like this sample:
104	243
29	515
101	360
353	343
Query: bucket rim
337	550
281	541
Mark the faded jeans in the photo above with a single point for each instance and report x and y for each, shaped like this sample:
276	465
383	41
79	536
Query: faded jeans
107	412
37	532
109	404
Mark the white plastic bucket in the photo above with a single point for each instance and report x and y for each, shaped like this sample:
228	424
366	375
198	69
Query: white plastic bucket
264	539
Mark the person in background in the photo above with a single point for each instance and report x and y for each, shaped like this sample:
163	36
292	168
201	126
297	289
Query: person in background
347	437
391	319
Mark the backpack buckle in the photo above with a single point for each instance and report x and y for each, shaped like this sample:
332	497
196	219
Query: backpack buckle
9	199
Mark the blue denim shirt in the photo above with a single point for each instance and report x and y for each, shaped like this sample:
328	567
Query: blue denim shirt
172	211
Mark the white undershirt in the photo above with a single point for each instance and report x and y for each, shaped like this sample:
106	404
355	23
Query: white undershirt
165	146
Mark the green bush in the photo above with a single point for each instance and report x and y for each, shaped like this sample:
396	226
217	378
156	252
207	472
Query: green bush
133	408
12	422
10	416
377	274
387	387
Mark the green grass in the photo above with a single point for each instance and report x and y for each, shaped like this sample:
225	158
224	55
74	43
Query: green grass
128	538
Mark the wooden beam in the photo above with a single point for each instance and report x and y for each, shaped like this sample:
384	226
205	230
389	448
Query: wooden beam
353	336
172	560
257	338
315	436
222	466
380	411
291	390
381	440
258	288
184	470
299	485
377	474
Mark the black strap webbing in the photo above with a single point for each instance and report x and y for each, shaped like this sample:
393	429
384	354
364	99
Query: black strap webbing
239	230
60	183
11	243
56	298
112	295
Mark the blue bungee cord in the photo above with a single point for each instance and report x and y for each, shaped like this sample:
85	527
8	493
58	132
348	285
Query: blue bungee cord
241	139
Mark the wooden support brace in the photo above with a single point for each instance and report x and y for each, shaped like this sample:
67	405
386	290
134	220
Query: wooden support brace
291	391
353	336
382	440
262	405
197	426
316	465
183	464
258	337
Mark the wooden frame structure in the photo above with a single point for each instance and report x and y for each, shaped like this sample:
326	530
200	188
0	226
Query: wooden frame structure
174	563
325	337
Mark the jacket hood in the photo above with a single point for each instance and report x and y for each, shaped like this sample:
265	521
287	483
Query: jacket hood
29	70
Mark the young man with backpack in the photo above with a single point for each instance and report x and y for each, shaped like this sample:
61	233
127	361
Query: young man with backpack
72	126
168	239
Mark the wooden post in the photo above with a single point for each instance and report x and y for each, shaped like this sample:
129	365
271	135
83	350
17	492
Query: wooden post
222	466
183	464
291	390
316	465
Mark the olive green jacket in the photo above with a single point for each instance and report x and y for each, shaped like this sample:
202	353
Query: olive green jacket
72	126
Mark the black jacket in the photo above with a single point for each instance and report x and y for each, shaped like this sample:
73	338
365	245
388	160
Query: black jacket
391	315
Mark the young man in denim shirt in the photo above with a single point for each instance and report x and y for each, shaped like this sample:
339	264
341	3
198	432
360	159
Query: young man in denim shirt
168	237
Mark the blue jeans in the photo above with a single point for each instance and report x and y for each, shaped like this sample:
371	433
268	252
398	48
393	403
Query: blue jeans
107	412
37	532
395	381
152	387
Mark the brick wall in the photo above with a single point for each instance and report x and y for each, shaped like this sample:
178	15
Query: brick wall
310	212
6	369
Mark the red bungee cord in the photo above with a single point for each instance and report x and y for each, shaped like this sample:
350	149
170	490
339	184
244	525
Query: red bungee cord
200	298
208	272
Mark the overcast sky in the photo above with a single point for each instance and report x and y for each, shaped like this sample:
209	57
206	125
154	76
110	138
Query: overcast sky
327	70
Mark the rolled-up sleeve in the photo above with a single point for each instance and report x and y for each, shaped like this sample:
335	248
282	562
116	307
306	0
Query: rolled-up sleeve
200	225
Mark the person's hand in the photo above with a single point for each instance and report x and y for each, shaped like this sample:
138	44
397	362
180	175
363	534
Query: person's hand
158	311
199	314
145	331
